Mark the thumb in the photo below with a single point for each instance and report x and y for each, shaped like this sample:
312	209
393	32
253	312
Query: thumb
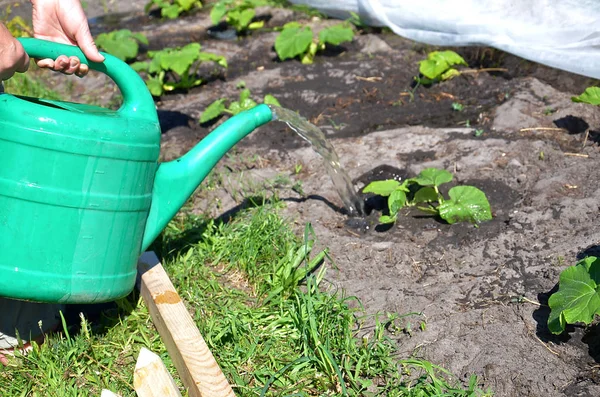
88	46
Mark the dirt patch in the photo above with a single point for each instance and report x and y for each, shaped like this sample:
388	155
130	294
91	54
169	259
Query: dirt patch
473	286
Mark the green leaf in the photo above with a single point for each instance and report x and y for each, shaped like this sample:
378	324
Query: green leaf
155	86
140	66
235	108
213	110
336	34
240	18
438	62
187	5
218	59
382	188
387	219
245	94
293	40
433	177
450	74
171	12
577	298
591	95
217	12
271	100
123	44
425	195
396	201
180	60
467	203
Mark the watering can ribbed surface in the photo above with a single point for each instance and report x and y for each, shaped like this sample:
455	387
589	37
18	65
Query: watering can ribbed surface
81	189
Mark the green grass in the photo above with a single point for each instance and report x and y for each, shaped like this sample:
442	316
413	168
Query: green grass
257	294
28	85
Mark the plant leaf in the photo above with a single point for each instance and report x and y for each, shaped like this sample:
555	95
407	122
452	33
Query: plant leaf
180	60
591	95
387	219
396	201
382	188
293	40
120	43
140	66
217	12
438	62
467	203
271	100
425	195
208	56
450	74
336	34
187	5
577	298
155	86
171	12
213	110
433	177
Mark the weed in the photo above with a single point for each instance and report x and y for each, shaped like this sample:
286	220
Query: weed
466	203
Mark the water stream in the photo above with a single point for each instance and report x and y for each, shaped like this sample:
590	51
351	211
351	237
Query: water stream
313	135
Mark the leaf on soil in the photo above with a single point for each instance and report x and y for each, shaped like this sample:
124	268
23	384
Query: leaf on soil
180	60
336	34
293	40
123	44
171	11
467	203
433	177
396	201
387	219
208	56
577	298
271	100
213	110
382	188
155	86
217	12
591	95
438	62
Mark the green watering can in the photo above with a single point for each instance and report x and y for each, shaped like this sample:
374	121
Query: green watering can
81	191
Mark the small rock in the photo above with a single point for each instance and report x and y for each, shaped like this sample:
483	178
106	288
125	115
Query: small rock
515	163
521	178
382	246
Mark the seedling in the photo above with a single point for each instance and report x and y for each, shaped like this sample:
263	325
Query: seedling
591	96
238	13
466	203
578	297
218	107
297	40
458	107
121	43
173	8
183	62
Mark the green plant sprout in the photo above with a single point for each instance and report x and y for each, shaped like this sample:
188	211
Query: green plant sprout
458	107
173	8
181	61
121	43
238	13
298	40
578	297
218	107
466	203
440	66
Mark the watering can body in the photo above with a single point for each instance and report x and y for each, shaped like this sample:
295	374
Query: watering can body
82	192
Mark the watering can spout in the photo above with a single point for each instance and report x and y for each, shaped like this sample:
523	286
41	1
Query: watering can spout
177	180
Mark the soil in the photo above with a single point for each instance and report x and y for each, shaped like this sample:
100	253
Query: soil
480	291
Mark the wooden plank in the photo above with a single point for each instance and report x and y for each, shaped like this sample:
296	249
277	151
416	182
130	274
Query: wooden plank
151	378
108	393
194	361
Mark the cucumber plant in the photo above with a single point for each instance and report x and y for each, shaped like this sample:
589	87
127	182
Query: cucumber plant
238	14
591	96
578	297
245	102
123	43
465	203
173	8
175	68
298	40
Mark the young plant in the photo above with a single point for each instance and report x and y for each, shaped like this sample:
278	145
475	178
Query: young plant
238	14
466	203
297	40
578	297
173	8
121	43
218	107
591	96
439	66
181	61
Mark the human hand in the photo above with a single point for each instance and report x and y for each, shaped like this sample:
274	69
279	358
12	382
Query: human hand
63	21
13	57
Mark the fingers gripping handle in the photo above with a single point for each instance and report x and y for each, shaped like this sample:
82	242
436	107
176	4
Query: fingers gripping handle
137	100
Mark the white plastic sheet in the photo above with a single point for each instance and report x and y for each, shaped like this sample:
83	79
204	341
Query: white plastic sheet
563	34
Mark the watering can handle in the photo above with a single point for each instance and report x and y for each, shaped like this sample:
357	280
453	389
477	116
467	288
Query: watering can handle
137	100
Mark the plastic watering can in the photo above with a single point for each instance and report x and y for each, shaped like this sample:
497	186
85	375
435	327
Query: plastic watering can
82	193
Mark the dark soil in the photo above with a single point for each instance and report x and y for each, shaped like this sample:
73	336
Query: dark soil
478	289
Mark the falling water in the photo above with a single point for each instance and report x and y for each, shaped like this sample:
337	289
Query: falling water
313	135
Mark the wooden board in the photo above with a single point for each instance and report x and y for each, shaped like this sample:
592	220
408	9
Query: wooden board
194	361
151	378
